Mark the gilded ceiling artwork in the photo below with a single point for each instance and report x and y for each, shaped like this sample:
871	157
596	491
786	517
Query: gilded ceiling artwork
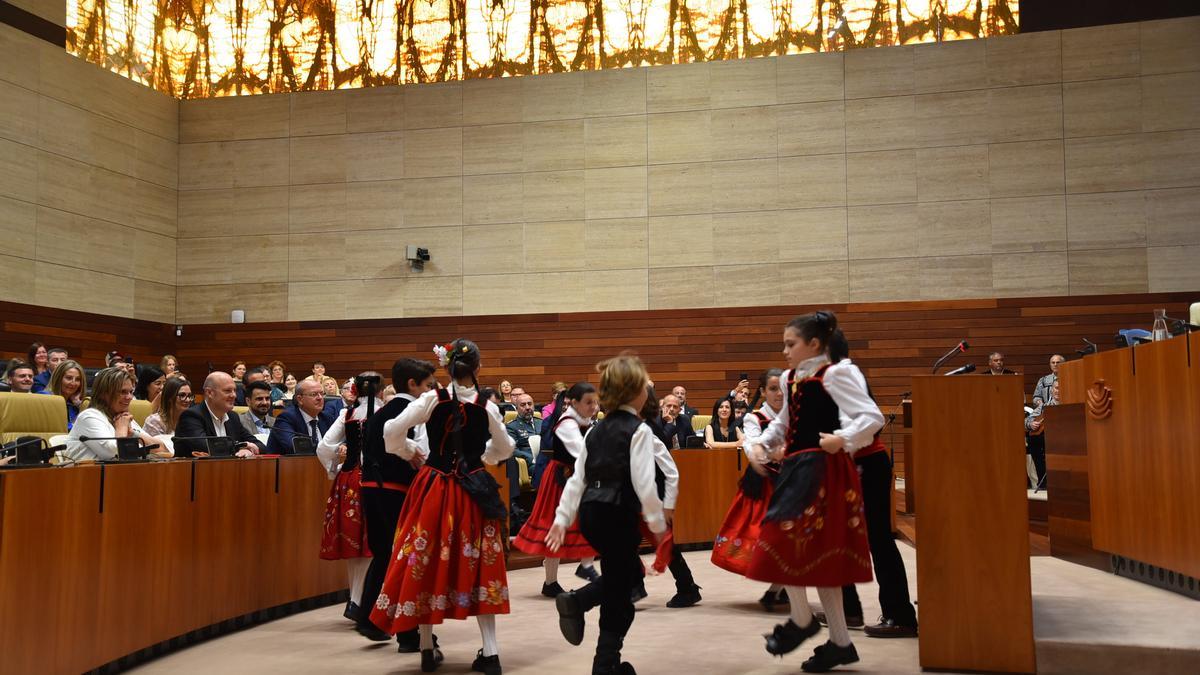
205	48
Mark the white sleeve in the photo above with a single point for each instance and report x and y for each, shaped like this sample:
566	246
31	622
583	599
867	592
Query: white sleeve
568	432
501	445
666	464
568	502
328	447
395	430
859	415
421	440
776	432
641	471
91	425
752	429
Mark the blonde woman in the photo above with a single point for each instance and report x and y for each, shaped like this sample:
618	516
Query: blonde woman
108	417
169	365
68	381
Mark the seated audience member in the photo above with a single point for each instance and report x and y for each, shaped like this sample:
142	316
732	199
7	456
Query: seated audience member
107	417
307	417
347	393
176	397
722	432
213	417
278	372
318	372
520	429
255	374
675	427
740	407
489	394
555	390
149	385
388	393
4	373
54	357
20	377
239	370
39	358
680	392
68	381
289	387
258	419
996	365
169	365
506	392
1041	392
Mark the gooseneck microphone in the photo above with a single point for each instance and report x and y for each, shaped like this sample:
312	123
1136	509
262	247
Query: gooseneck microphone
960	347
969	368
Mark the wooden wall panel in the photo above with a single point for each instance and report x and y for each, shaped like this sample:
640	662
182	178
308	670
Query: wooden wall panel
87	337
1069	507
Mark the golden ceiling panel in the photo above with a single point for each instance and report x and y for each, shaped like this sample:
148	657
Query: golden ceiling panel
203	48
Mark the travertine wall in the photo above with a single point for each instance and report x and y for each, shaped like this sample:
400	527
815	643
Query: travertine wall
1041	164
88	177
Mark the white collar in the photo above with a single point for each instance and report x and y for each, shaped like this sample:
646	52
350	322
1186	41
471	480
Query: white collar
768	412
573	414
213	415
307	418
629	409
406	396
811	365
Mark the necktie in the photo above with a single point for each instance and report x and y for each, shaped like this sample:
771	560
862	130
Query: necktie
315	438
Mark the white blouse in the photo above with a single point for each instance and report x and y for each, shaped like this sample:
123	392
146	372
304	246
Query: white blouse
395	431
92	422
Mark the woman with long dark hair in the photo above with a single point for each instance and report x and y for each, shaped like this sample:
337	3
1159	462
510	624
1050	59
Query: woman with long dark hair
722	431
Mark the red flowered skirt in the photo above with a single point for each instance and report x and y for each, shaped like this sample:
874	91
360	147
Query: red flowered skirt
448	560
827	544
739	532
345	534
532	537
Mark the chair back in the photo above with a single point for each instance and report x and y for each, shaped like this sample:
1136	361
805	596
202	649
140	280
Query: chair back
31	415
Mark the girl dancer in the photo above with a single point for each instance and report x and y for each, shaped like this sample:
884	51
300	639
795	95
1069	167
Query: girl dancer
448	559
567	444
814	532
345	536
614	480
738	534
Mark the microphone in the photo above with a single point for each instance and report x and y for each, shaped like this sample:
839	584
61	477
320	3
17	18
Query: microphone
969	368
128	447
1181	327
1088	348
962	346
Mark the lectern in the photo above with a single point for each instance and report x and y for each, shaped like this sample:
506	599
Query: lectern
976	608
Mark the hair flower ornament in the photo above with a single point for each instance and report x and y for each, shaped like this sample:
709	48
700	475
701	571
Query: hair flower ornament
441	351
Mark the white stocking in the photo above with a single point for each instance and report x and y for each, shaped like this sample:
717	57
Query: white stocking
425	632
588	561
831	600
550	565
356	570
487	628
801	612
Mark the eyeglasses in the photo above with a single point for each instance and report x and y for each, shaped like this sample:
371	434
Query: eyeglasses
186	397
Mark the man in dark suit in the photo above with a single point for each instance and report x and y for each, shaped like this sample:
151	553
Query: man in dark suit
306	418
674	426
680	393
214	417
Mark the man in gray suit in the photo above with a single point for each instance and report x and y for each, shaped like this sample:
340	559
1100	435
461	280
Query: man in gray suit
258	419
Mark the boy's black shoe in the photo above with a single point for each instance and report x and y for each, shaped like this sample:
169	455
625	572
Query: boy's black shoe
552	590
787	636
570	617
431	659
828	656
588	573
685	598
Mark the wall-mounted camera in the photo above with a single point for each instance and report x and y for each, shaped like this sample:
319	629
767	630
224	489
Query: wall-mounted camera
417	257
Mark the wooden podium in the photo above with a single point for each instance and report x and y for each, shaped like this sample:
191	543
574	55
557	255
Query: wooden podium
976	608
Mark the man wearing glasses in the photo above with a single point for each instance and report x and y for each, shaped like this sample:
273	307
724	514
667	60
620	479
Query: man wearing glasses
306	417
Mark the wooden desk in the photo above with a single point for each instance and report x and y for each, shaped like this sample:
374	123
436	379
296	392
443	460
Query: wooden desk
101	561
708	481
1144	456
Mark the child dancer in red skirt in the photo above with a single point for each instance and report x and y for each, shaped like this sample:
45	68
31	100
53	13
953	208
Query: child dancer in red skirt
739	532
448	559
569	429
814	532
345	536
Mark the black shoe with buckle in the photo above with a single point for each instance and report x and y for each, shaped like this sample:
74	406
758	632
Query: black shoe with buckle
570	617
490	665
431	659
787	636
828	656
685	598
851	621
771	598
588	574
552	590
887	628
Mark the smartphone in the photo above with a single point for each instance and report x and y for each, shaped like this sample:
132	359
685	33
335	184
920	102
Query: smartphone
742	376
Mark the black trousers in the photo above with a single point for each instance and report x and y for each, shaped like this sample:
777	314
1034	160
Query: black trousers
1037	450
613	531
877	481
680	570
381	507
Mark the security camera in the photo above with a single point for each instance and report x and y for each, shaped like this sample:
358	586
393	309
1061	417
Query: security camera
417	257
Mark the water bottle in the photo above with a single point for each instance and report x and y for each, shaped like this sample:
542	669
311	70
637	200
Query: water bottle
1160	331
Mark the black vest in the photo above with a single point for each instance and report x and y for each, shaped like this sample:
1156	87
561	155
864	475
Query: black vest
448	448
607	465
354	444
811	411
561	454
378	465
